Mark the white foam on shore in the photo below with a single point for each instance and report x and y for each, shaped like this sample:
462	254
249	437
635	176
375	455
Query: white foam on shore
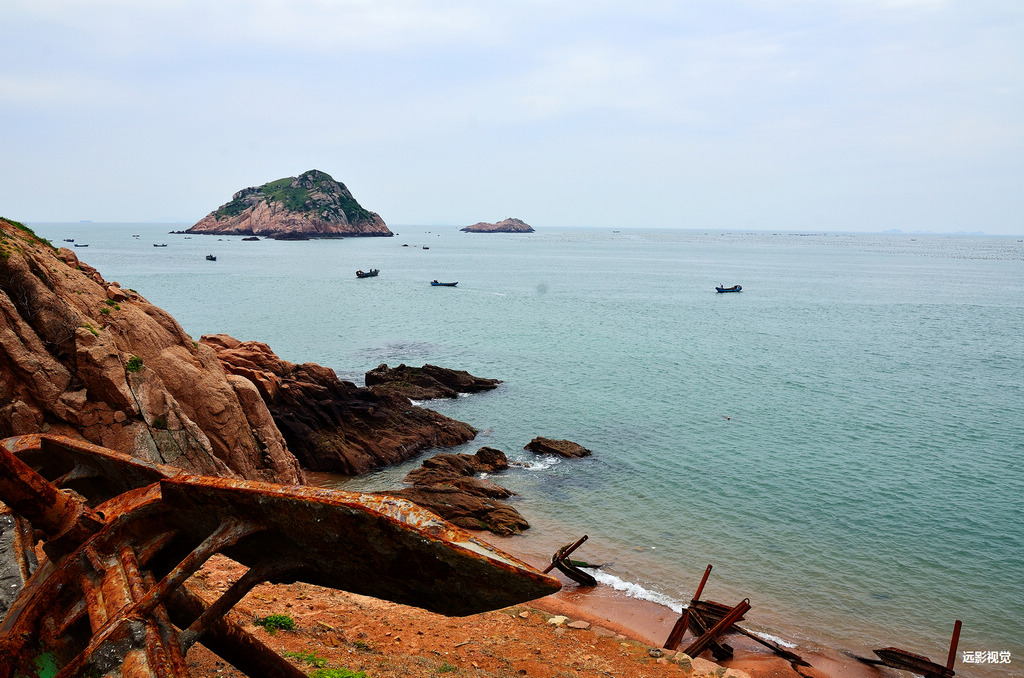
541	463
634	590
774	639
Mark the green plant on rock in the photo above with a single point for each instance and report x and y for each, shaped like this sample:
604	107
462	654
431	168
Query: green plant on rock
274	622
92	329
134	364
105	311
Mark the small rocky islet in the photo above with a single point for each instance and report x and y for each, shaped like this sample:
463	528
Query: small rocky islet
510	225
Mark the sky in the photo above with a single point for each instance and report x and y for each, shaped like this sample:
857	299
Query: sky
823	115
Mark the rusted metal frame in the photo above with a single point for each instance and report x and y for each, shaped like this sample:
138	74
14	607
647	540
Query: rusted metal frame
253	577
564	552
161	643
117	629
718	629
79	471
679	630
65	520
698	626
229	641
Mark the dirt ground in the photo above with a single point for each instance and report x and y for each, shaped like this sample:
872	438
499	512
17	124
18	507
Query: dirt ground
339	630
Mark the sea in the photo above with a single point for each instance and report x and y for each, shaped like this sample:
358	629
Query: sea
843	440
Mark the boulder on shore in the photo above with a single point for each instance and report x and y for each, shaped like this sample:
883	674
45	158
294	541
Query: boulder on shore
446	485
425	383
563	448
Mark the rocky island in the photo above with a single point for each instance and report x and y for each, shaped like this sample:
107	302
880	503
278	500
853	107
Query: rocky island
509	225
311	205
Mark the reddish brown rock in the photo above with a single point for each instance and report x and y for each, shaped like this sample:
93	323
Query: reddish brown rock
333	425
445	484
311	205
425	383
84	358
563	448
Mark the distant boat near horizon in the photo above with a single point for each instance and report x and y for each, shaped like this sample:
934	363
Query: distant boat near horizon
434	283
159	244
734	288
210	257
367	274
81	244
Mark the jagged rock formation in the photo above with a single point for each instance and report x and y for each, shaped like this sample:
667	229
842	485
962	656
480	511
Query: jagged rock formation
445	485
310	205
82	357
563	448
425	383
509	225
333	425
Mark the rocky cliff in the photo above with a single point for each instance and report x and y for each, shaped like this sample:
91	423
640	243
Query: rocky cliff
509	225
333	425
82	357
310	205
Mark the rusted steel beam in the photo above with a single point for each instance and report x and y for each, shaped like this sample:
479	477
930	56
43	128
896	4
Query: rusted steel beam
229	641
699	624
953	643
564	553
700	644
66	521
679	629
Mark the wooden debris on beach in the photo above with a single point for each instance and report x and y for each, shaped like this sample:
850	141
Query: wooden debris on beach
560	561
896	658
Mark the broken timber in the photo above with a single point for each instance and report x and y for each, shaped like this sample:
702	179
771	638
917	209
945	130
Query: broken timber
121	537
560	561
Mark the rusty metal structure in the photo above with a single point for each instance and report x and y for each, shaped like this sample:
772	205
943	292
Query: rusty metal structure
708	621
120	537
560	561
905	660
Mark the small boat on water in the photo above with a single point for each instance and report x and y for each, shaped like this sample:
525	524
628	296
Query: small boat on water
434	283
210	257
367	274
69	240
734	288
81	244
159	244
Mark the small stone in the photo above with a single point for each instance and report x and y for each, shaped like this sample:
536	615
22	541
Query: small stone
524	614
558	620
602	632
579	624
656	652
560	631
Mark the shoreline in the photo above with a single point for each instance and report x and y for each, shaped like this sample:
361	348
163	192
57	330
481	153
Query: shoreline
650	623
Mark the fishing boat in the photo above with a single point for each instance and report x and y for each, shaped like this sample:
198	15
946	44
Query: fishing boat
434	283
159	244
367	274
81	244
69	240
734	288
210	257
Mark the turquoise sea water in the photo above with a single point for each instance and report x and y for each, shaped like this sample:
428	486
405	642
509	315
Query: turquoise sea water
843	440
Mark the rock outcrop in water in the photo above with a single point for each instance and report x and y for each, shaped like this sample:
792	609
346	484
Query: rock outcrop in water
563	448
83	357
333	425
509	225
310	205
446	484
425	383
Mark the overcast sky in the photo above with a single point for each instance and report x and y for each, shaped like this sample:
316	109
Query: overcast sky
862	115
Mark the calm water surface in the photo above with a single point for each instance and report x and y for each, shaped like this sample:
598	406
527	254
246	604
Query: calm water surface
843	440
